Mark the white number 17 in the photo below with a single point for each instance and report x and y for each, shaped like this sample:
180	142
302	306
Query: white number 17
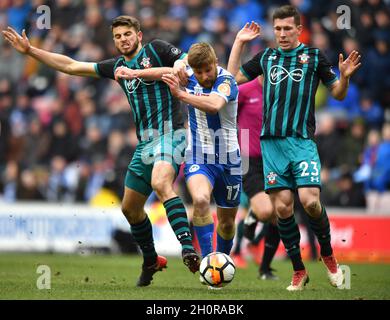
230	191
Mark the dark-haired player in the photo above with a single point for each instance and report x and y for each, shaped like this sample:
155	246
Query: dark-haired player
292	72
159	122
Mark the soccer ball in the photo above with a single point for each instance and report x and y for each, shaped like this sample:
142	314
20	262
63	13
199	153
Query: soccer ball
217	269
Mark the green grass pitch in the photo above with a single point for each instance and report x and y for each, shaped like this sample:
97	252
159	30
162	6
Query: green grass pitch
114	277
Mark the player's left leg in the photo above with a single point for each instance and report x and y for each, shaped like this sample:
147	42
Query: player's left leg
226	229
236	255
306	168
319	222
227	193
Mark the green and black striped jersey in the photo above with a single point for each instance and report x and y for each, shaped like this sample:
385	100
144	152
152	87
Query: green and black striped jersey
155	110
290	83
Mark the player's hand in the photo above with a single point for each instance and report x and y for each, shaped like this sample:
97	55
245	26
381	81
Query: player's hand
179	70
350	65
19	42
249	32
173	82
125	73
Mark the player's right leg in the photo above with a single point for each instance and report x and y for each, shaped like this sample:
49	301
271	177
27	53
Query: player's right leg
133	208
283	202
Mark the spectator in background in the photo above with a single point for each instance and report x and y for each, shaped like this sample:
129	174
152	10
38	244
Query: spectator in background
36	144
28	187
62	181
349	107
363	174
380	177
244	11
11	65
352	145
9	181
61	142
193	33
349	194
371	111
327	139
18	14
168	28
379	68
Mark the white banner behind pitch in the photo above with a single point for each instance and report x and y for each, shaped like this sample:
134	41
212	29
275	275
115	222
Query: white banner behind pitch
69	228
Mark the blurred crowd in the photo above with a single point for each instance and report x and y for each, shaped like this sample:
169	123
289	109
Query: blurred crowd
66	138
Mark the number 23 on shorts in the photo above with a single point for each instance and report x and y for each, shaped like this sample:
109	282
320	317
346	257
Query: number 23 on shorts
308	172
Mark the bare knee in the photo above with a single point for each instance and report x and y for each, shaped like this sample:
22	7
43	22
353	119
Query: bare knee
264	213
313	208
226	226
162	188
201	203
283	210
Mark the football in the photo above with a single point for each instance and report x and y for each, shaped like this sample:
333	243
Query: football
217	269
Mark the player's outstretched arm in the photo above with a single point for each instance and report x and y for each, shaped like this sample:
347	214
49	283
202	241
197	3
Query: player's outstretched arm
347	68
54	60
247	33
210	104
146	74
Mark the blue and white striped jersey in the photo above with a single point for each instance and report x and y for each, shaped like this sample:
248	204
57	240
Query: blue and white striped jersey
213	134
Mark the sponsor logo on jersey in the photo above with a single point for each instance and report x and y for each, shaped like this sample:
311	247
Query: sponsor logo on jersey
271	58
194	168
303	58
146	63
271	178
278	73
131	85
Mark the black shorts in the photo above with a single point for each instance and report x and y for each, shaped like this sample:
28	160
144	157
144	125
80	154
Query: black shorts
253	181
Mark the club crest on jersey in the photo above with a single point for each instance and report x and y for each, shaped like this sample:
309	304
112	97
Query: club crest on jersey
146	63
194	168
303	58
272	178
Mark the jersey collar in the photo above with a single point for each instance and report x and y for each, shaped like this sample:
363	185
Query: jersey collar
129	63
292	52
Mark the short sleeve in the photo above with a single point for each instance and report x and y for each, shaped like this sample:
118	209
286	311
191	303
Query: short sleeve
252	68
105	68
166	53
324	69
226	87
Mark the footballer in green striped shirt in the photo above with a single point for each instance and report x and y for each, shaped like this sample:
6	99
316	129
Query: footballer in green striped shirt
292	72
160	129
